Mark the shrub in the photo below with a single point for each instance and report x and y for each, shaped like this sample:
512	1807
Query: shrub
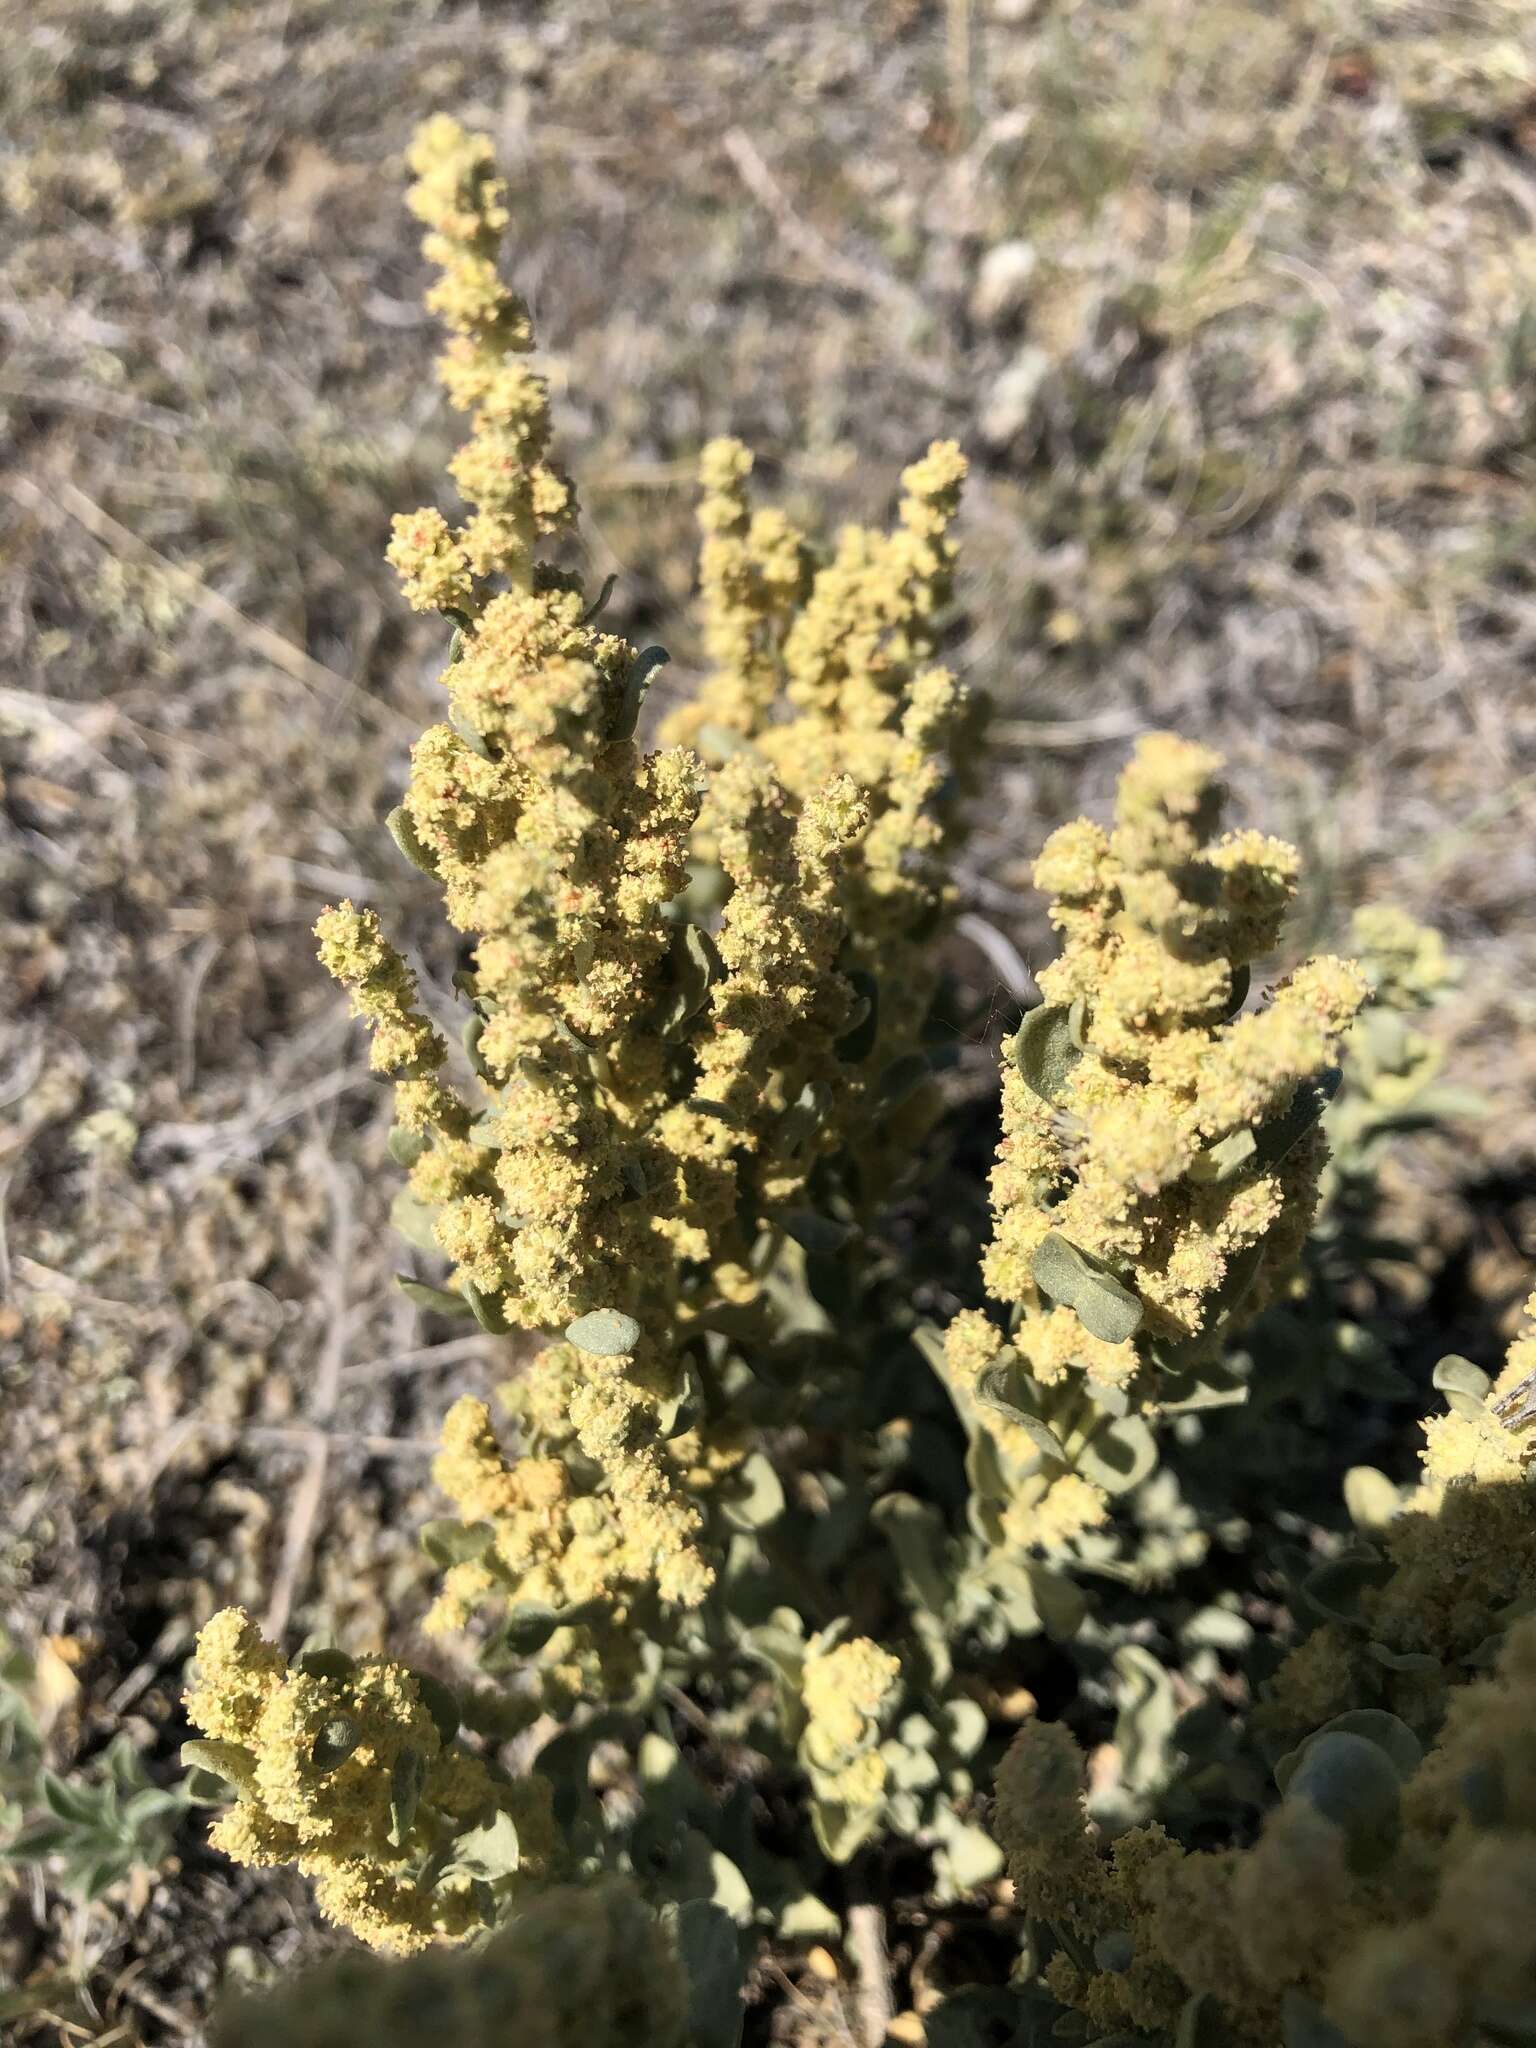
785	1512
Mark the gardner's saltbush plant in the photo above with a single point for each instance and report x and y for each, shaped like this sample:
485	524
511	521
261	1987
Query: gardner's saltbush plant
804	1504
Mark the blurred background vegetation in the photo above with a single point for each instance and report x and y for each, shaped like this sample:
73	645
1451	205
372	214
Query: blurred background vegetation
1232	306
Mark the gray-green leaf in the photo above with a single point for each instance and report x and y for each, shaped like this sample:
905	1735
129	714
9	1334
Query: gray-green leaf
402	829
605	1332
449	1541
709	1951
636	683
335	1743
1044	1050
1106	1307
1464	1385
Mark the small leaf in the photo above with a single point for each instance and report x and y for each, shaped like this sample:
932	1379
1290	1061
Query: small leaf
73	1803
965	1724
1224	1160
402	829
696	967
443	1301
1060	1603
414	1221
476	742
902	1078
486	1309
1148	1715
821	1234
1199	2023
35	1844
1304	2024
1404	1660
441	1702
403	1146
1119	1455
858	1041
1044	1051
1484	1794
974	1858
636	683
704	1105
605	1333
230	1762
528	1627
1114	1951
841	1831
407	1779
710	1953
449	1541
202	1788
1464	1385
808	1918
491	1851
323	1660
1275	1140
758	1495
1106	1307
473	1032
335	1743
1353	1782
1371	1498
999	1388
599	603
1331	1591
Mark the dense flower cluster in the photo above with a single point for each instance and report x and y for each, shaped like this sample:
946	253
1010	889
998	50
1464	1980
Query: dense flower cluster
1387	1897
849	1691
658	1090
1162	1137
341	1766
697	984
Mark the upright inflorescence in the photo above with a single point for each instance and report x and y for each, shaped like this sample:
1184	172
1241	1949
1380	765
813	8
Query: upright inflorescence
1161	1154
1155	1127
673	1010
828	671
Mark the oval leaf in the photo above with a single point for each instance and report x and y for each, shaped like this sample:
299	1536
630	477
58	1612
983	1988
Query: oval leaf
1045	1051
1120	1455
443	1301
441	1703
491	1851
1274	1140
821	1234
335	1743
1106	1307
450	1542
406	1781
230	1761
1464	1385
760	1498
1371	1498
858	1041
605	1332
402	830
636	683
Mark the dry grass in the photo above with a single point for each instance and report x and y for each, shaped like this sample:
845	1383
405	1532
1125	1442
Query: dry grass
1254	440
